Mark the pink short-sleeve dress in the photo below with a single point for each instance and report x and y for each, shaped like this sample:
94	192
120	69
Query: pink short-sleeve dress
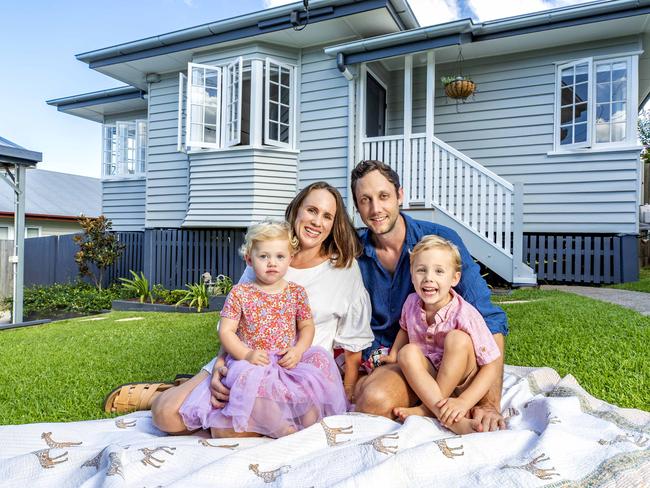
270	400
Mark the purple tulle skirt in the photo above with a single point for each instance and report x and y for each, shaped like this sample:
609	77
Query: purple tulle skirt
270	400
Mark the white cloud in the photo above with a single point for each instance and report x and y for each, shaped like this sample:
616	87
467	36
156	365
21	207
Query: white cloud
429	12
276	3
498	9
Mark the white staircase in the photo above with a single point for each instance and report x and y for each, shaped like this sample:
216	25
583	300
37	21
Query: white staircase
482	207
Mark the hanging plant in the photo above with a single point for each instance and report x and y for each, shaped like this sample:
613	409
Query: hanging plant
458	87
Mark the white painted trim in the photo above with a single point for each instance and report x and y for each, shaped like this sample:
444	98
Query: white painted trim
242	148
188	126
234	71
267	89
602	57
361	103
430	110
558	103
257	97
182	86
349	198
408	123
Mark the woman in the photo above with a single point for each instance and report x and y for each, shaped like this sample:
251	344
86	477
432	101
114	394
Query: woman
326	267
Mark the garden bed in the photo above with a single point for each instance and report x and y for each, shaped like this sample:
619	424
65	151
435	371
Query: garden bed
215	304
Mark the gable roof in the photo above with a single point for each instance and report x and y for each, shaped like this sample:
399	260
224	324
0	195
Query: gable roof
53	194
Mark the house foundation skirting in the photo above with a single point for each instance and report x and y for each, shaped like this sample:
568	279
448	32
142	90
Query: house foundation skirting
582	258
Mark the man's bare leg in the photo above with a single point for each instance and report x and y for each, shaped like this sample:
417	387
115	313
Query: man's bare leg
383	390
165	407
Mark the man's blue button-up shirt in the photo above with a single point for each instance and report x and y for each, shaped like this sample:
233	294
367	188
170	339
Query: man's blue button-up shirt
388	291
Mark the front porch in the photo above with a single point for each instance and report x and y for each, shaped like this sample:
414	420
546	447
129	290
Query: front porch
394	114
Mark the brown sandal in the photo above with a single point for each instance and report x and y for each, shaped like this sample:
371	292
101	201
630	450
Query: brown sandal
137	396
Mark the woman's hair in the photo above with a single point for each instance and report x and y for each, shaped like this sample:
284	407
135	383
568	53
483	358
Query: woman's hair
436	242
342	245
268	230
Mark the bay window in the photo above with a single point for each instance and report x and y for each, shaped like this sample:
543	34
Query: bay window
593	102
124	149
236	105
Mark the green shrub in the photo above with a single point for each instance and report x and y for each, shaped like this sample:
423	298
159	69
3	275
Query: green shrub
196	296
71	297
168	297
222	285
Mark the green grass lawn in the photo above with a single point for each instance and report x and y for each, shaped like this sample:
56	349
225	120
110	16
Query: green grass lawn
642	285
62	371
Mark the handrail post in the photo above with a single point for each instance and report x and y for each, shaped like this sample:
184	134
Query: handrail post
517	229
431	95
408	121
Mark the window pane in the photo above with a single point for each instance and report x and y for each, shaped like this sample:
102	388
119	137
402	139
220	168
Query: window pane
619	72
210	134
273	131
602	92
582	74
273	92
603	73
618	112
210	96
273	111
284	114
567	76
4	233
274	76
566	115
31	232
602	132
197	115
210	115
211	79
581	112
284	96
619	90
581	92
284	133
197	76
618	132
580	133
602	112
566	134
567	95
285	77
197	95
196	132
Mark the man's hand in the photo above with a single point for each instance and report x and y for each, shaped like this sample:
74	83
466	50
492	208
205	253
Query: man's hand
220	393
257	357
486	418
452	409
290	357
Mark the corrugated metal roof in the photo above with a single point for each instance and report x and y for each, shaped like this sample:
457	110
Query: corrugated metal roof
60	194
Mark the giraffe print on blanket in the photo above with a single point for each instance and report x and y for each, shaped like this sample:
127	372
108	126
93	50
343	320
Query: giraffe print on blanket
450	452
125	424
531	467
205	443
268	476
46	461
638	440
47	437
114	465
332	432
149	455
379	446
95	461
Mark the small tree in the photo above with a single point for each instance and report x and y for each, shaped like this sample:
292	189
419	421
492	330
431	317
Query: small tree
97	246
644	135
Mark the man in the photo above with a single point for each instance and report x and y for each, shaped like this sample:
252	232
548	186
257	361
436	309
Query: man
386	274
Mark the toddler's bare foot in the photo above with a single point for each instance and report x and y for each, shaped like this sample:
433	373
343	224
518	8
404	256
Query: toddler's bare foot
403	412
463	426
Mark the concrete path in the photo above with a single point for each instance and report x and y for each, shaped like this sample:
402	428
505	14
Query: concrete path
635	300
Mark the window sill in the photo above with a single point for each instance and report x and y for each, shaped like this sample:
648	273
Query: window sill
594	150
124	178
244	148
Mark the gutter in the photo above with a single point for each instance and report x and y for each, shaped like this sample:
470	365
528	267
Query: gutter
57	218
98	97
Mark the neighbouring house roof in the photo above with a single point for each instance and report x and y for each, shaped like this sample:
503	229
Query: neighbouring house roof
94	106
59	195
12	153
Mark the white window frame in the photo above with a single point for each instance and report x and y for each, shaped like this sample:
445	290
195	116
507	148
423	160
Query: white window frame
8	233
232	89
200	143
182	113
631	101
38	229
119	148
267	89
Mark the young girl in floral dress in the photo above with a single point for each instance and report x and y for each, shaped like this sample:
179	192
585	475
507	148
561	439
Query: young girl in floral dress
278	382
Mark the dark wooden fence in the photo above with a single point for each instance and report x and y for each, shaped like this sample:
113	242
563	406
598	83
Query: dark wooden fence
175	257
582	258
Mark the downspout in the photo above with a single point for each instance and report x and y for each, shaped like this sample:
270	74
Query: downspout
340	64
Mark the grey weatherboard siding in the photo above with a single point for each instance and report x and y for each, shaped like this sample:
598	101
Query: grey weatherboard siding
508	128
123	202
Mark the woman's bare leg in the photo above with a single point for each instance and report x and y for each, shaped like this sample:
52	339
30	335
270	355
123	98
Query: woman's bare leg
165	407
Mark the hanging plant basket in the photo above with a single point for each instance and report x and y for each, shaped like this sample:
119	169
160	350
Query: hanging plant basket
459	88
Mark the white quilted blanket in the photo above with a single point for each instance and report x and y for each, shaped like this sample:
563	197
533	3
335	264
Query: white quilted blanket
557	435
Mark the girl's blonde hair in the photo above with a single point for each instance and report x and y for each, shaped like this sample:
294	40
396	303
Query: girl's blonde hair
436	242
268	230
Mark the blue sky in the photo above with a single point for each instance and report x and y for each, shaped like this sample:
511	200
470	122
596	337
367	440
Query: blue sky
39	39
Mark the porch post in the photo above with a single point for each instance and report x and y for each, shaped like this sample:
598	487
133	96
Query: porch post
351	144
19	244
408	121
517	230
431	95
361	112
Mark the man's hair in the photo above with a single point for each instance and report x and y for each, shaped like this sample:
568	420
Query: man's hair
268	230
368	165
436	242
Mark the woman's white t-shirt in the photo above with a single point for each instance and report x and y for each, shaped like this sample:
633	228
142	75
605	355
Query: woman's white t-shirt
339	303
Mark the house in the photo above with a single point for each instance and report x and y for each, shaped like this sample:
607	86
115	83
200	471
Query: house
53	202
539	171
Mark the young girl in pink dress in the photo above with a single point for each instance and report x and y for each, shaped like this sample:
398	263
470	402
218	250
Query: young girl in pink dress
278	382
